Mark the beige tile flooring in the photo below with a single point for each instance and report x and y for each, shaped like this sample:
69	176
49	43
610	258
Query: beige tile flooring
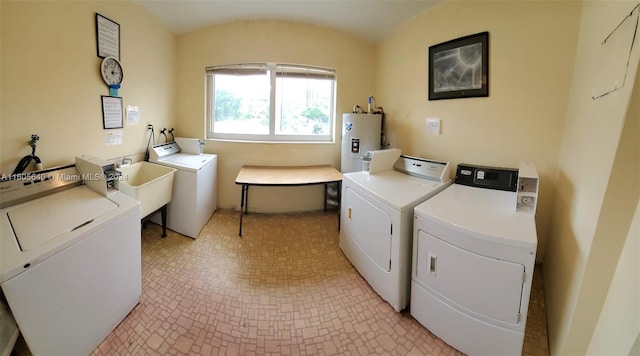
284	288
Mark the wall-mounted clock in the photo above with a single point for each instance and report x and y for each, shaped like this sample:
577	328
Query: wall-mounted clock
112	74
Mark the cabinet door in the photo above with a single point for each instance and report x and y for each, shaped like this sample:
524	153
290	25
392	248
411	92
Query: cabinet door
369	226
481	284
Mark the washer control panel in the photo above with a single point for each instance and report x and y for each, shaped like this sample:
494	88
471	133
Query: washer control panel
21	187
163	150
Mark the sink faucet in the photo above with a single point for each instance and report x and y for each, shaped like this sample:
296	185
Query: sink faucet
125	161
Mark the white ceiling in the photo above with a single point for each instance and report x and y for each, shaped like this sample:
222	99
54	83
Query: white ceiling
369	19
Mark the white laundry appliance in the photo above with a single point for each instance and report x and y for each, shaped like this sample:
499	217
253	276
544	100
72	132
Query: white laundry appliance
377	218
70	265
474	250
194	196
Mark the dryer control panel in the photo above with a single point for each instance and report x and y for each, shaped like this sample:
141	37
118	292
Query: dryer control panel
487	177
423	168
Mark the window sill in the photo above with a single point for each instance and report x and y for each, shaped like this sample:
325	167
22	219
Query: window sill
227	140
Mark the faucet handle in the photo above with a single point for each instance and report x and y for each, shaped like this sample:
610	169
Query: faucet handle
125	161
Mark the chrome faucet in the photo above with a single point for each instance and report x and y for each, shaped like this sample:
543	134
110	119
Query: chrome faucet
125	161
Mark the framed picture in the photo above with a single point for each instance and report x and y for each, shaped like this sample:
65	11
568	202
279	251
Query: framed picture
107	37
112	112
459	68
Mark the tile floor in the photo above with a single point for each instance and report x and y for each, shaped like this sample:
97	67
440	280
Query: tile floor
284	288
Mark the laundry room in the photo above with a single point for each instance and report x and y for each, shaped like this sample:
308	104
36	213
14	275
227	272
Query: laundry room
562	95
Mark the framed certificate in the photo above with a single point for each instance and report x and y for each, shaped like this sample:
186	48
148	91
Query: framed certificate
107	37
112	112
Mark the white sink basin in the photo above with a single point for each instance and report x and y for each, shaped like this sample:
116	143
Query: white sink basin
150	184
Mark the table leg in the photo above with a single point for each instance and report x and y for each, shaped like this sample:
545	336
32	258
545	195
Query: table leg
163	214
326	187
339	187
243	204
246	199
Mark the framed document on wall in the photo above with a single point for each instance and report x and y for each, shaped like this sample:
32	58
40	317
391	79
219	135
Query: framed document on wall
112	113
107	37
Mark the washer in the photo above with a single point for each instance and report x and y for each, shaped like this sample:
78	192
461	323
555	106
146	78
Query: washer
194	195
377	219
473	262
70	264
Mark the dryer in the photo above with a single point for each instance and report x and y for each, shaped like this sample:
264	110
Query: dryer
473	260
377	219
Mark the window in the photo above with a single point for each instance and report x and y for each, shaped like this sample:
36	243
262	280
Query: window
270	102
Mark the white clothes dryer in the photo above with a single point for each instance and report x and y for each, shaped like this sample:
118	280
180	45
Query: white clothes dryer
194	196
473	262
377	219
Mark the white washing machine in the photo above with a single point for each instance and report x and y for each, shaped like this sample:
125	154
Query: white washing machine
70	264
473	262
377	219
194	196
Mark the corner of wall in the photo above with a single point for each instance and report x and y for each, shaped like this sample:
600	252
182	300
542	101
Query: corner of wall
594	207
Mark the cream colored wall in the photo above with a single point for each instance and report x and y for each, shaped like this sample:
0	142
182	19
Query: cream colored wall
619	322
531	54
597	186
51	83
270	41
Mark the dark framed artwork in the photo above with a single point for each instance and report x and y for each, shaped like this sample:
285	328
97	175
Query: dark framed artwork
459	68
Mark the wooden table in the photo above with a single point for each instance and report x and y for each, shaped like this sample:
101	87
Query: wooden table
282	176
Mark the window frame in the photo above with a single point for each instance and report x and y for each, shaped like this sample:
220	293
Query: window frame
273	69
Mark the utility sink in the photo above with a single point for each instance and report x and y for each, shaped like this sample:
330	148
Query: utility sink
150	184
